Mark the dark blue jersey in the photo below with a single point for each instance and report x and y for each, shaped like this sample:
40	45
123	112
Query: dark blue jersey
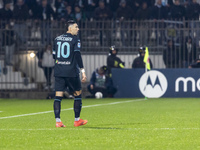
65	48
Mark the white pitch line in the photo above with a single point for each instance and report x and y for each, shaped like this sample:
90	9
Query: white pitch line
1	111
152	129
45	112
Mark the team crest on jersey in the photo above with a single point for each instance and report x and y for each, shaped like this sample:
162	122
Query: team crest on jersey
79	45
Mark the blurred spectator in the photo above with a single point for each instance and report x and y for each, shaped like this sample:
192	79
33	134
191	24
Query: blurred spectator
112	5
72	3
143	12
102	13
171	55
39	56
46	14
195	64
31	4
20	11
158	11
34	12
21	14
189	52
138	62
193	12
60	3
124	12
69	14
133	4
89	7
48	64
50	2
8	43
45	11
79	3
170	3
27	2
177	11
60	9
78	16
150	3
64	12
100	83
6	12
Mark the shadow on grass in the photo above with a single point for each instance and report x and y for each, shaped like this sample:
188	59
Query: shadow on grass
123	126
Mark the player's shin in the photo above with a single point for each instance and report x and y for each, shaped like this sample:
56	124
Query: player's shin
77	107
57	107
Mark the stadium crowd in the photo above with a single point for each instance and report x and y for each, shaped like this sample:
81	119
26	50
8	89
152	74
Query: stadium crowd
99	9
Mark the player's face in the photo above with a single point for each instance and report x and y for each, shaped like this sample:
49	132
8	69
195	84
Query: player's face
74	29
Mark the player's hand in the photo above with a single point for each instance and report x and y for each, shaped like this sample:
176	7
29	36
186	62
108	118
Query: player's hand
84	78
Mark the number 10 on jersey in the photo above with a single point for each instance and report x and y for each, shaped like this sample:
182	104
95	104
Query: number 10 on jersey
61	49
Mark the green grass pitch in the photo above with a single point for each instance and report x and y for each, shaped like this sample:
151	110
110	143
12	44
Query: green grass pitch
124	124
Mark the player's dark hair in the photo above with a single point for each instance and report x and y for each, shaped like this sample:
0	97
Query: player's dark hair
69	23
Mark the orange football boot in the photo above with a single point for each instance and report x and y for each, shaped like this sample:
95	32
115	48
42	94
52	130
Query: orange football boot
80	122
59	124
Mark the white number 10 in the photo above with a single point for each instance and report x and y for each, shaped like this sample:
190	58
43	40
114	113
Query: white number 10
61	49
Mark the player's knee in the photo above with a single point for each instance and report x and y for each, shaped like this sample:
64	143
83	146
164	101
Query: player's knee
59	93
77	93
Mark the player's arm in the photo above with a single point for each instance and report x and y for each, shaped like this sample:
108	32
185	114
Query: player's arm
54	51
79	60
80	64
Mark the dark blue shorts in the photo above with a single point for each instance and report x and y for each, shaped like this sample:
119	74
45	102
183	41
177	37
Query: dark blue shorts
72	83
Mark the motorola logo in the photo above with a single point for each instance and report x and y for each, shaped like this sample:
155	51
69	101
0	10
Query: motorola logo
153	84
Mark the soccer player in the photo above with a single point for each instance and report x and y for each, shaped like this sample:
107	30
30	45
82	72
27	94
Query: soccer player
68	61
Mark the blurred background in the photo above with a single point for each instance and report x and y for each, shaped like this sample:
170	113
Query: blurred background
170	29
